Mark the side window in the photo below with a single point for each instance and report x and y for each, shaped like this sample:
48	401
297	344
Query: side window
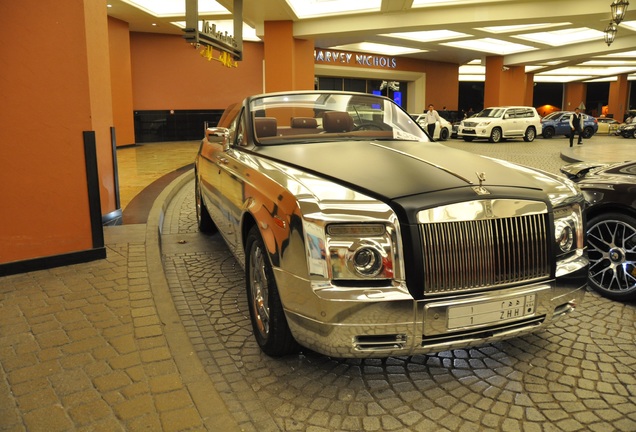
237	130
241	131
511	113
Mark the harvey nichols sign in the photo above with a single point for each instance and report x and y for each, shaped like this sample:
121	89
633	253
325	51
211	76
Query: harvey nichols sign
356	59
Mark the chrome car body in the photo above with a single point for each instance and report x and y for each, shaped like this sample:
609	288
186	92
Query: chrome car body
360	238
558	123
610	190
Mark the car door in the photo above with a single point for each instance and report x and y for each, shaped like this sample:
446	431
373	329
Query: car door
209	173
512	124
562	125
232	182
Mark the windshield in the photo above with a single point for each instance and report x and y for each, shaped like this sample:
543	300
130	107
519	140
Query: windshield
492	112
553	116
328	116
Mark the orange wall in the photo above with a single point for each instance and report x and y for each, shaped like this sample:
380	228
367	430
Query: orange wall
100	93
168	73
121	81
294	69
46	105
506	85
618	96
575	93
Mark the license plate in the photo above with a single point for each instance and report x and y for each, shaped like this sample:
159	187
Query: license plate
490	312
469	131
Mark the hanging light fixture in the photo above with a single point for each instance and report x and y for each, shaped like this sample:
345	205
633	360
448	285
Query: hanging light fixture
619	7
610	33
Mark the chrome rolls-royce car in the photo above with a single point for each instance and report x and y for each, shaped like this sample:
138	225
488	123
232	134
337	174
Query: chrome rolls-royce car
610	190
361	238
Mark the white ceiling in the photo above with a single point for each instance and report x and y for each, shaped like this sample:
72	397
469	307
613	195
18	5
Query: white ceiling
565	42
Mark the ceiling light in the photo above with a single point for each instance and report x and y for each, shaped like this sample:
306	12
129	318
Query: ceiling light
619	7
315	8
368	47
562	37
493	46
167	8
522	27
610	33
428	36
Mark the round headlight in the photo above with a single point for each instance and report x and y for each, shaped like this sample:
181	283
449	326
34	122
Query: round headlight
367	261
564	235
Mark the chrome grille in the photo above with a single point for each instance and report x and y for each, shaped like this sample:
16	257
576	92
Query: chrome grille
469	255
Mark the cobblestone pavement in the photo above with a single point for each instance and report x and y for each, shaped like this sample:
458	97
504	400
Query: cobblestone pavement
577	375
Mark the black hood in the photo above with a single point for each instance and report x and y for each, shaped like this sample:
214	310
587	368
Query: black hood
398	169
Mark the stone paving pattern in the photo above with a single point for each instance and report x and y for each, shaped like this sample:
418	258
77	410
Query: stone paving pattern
90	347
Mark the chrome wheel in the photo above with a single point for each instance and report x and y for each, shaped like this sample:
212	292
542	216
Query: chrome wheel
259	292
530	135
612	253
495	135
271	330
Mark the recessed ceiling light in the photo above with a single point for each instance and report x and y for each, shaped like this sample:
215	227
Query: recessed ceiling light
166	8
428	36
521	27
493	46
563	37
315	8
368	47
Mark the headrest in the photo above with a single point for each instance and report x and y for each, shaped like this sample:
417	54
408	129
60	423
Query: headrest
265	127
304	122
337	121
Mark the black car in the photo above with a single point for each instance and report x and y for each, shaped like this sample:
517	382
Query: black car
610	190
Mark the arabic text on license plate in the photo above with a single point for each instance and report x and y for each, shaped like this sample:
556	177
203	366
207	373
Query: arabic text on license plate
490	312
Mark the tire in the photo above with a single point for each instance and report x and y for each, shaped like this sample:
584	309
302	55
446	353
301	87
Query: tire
204	221
443	134
266	310
495	135
588	132
468	139
611	246
634	134
548	133
530	134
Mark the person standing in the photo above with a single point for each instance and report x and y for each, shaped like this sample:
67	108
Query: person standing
576	126
432	118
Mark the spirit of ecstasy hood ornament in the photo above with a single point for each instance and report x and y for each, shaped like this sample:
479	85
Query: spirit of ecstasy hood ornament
481	190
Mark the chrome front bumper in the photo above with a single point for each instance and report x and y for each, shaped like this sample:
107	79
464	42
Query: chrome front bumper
359	326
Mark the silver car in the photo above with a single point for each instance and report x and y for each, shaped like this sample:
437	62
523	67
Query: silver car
361	238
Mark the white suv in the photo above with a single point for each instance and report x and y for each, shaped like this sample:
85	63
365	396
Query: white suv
497	123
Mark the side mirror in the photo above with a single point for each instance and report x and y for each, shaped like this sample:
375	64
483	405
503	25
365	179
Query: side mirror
217	135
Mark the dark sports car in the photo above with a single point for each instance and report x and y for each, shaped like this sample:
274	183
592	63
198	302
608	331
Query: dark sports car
610	190
361	238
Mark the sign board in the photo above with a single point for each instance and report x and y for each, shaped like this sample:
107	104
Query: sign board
209	36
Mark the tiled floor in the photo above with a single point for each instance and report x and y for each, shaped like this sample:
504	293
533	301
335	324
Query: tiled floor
145	170
142	164
155	337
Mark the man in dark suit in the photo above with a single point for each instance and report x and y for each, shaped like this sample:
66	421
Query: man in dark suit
576	126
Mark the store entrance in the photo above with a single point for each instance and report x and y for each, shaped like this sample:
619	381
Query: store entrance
395	90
